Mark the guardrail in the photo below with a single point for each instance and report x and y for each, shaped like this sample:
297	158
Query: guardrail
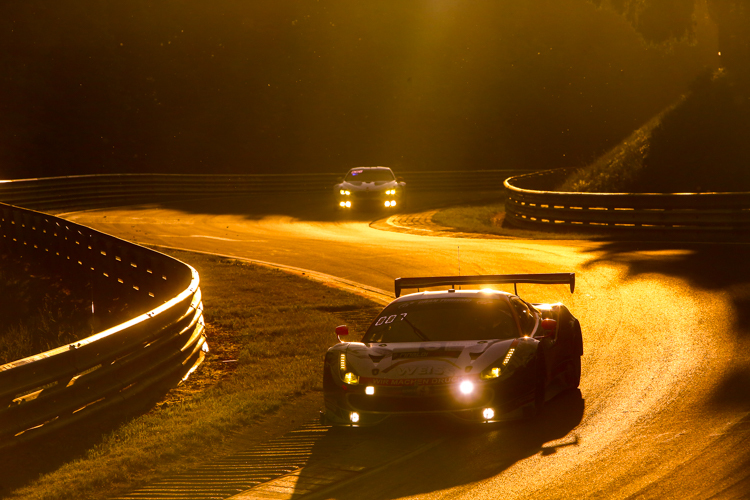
531	204
164	338
112	189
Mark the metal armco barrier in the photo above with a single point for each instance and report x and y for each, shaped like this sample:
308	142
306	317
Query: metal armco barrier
112	189
531	204
163	339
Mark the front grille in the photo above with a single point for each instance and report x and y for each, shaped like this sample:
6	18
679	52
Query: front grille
407	403
367	195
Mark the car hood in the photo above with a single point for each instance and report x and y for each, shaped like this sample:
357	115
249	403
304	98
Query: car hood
442	362
368	186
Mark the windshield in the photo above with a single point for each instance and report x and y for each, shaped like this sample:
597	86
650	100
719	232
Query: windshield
369	175
445	319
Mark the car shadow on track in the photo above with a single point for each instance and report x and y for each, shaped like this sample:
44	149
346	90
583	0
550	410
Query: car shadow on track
463	454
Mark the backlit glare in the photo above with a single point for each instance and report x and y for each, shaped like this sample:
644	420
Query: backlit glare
466	387
488	413
370	390
354	417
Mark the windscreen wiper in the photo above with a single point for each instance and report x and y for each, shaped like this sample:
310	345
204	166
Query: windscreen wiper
416	330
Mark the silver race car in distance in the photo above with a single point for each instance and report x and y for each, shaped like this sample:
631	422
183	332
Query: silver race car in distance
478	355
369	187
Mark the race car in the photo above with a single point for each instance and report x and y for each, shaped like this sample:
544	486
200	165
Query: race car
368	188
477	355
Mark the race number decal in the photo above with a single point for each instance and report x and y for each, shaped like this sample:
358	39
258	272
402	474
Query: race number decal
389	319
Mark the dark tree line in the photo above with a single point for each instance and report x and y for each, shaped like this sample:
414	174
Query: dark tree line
702	144
266	86
663	21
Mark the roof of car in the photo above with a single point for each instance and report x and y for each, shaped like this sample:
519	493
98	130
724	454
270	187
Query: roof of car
369	168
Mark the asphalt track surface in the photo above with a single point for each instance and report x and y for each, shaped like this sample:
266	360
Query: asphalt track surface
664	403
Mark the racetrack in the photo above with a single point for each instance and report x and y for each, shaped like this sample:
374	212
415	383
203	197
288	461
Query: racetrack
663	410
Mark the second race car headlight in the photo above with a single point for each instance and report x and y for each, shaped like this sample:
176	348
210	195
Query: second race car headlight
344	192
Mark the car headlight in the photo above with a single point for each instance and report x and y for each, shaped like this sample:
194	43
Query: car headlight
347	376
466	387
498	369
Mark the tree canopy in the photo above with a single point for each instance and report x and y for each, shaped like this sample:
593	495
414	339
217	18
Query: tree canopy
658	21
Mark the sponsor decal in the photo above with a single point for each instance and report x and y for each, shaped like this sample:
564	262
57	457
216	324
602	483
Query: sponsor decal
423	390
419	390
424	370
395	382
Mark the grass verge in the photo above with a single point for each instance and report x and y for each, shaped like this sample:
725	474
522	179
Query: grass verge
473	218
268	332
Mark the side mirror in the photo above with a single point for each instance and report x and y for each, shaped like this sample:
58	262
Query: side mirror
549	326
342	331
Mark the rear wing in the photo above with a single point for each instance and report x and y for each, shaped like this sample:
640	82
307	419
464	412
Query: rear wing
487	279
